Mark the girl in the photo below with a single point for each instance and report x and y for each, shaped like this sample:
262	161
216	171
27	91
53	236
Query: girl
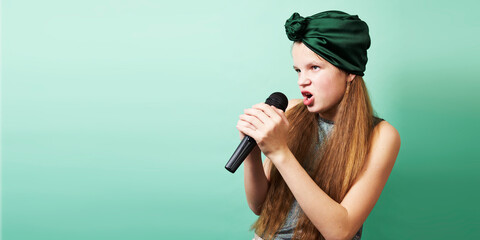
328	157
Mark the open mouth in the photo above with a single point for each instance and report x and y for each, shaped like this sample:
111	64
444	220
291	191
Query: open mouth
307	98
306	95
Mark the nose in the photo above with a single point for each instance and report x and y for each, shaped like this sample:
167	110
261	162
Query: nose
303	79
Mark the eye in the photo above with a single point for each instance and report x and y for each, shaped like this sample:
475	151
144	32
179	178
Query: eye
297	70
315	67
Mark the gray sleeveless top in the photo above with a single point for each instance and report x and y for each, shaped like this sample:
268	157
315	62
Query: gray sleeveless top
325	126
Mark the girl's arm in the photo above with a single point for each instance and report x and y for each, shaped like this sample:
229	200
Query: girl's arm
256	176
255	180
334	220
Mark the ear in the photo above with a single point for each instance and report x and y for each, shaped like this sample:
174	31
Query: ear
350	77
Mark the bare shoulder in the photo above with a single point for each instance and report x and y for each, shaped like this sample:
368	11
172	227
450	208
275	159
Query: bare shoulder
385	134
293	103
385	145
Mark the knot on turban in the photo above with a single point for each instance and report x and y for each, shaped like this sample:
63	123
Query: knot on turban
338	37
295	27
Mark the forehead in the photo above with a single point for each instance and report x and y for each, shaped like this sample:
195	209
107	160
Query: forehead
303	55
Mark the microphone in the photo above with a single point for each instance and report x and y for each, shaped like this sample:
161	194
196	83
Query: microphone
276	99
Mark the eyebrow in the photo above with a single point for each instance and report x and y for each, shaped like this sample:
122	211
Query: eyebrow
311	63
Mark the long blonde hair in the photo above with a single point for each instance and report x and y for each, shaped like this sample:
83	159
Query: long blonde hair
338	160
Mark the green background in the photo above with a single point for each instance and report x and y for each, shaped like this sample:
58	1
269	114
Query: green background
118	117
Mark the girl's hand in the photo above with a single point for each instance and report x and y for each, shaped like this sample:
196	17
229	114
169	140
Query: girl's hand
268	126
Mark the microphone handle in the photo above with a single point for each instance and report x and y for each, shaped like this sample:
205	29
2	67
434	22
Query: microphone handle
242	151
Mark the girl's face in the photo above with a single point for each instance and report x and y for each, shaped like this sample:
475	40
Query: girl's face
321	84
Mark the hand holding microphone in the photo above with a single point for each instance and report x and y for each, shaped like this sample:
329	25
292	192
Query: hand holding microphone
266	124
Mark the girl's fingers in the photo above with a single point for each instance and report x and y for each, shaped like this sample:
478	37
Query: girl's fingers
259	114
281	114
247	131
245	123
270	111
253	121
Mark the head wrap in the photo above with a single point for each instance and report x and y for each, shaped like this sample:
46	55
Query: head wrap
340	38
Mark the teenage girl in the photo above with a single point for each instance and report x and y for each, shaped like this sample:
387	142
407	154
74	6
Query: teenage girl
328	156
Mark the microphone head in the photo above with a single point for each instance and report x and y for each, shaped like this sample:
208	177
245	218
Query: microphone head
278	100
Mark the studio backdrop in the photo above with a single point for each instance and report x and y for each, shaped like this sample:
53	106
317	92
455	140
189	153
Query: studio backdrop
118	117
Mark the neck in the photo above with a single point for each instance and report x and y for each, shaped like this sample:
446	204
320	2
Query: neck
329	115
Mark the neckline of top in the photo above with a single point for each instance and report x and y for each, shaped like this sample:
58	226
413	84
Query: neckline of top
325	120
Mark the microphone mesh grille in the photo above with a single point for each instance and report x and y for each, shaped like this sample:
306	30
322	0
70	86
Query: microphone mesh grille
278	100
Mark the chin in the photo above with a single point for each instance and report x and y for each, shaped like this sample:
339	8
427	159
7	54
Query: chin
314	109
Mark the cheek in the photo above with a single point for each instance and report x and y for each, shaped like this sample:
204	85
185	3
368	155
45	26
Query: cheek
331	91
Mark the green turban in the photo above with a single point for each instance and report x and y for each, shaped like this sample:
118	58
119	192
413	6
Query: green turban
340	38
